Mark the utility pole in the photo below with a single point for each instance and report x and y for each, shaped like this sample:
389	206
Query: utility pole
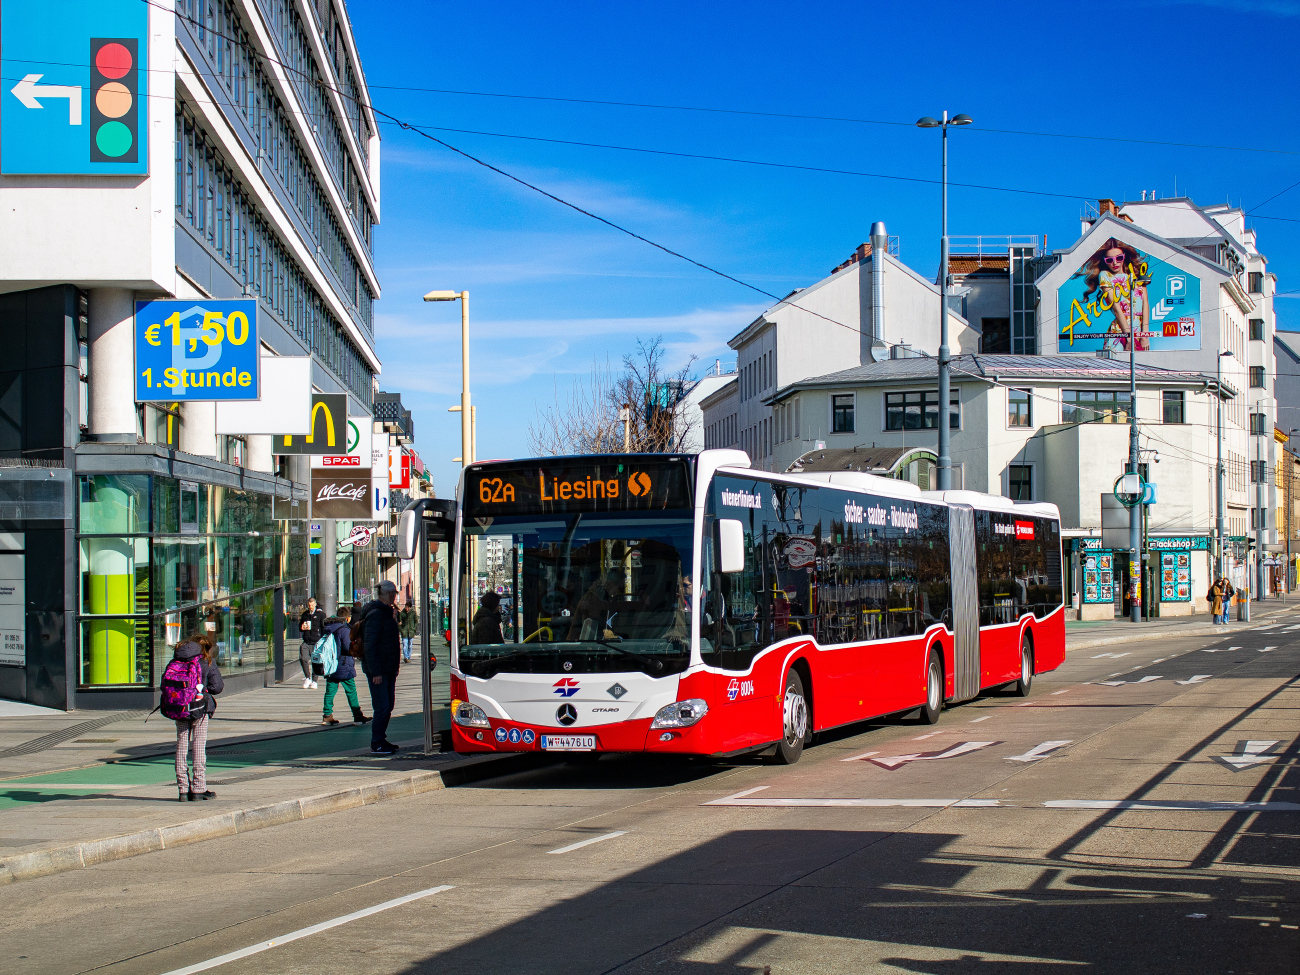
1135	512
1261	518
1220	515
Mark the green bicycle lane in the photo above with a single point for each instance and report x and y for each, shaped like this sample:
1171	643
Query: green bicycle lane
120	776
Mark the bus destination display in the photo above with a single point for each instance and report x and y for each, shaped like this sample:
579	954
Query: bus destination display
604	484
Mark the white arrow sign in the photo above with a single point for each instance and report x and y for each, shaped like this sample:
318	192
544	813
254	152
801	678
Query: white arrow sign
1266	649
1195	680
1161	311
1117	683
961	748
28	91
1038	751
1248	755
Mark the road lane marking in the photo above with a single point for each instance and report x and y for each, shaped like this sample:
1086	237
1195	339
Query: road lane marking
930	735
1266	649
1039	751
1248	754
284	939
1218	649
855	758
1119	683
1196	679
1165	805
736	795
952	751
595	839
1113	656
1066	691
985	718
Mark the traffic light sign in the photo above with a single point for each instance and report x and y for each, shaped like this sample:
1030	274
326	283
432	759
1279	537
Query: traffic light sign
114	100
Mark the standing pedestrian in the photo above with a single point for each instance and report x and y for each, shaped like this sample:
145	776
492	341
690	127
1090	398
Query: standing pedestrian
1220	596
408	624
380	638
189	686
345	673
310	625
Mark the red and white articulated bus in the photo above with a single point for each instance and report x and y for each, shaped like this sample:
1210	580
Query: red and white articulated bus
687	604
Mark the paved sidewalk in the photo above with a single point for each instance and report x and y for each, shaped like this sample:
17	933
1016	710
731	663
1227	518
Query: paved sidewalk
85	787
1080	635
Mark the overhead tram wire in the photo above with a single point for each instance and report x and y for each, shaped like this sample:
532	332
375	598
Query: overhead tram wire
573	206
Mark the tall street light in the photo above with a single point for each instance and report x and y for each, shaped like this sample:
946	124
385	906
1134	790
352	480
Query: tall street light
1220	512
945	461
466	435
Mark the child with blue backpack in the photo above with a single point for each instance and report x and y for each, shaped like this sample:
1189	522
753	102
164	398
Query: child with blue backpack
335	651
189	684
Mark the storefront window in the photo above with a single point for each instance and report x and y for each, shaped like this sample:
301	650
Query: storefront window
114	576
167	505
114	504
115	651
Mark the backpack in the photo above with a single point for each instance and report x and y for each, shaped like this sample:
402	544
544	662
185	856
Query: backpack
326	653
357	635
183	698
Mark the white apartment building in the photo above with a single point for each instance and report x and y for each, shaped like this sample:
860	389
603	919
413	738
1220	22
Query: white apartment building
232	155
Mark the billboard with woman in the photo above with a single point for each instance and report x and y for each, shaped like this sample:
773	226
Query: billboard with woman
1122	299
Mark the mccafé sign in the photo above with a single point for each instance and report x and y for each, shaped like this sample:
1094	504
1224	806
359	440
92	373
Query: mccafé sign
341	494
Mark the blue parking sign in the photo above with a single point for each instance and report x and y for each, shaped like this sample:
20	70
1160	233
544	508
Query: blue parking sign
74	86
198	350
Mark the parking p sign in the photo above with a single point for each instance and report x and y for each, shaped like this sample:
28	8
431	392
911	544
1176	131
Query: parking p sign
200	350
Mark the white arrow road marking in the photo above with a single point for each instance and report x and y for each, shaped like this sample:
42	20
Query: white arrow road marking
1117	683
961	748
1290	628
28	91
1178	805
1038	751
1113	656
203	966
595	839
1218	649
1248	755
854	758
1195	680
1266	649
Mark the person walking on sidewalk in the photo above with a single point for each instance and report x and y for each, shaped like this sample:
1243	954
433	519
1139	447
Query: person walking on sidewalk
345	674
192	734
408	624
380	638
1220	596
310	625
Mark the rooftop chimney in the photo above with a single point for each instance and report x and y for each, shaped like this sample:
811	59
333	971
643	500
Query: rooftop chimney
879	248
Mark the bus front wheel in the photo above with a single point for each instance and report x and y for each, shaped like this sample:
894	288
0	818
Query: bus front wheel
794	720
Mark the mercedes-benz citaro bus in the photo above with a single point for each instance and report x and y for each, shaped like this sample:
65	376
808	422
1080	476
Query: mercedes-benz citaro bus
687	604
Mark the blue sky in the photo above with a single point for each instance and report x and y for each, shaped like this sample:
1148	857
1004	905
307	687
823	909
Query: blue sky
552	291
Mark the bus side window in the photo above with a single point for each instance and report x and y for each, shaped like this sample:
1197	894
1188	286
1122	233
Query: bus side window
932	565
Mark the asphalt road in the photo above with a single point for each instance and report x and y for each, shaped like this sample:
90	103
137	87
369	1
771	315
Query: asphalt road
1148	824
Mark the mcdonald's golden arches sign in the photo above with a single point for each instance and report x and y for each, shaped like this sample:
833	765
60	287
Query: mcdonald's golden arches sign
329	428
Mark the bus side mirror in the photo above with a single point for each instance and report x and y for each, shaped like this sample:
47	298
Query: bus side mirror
408	525
731	545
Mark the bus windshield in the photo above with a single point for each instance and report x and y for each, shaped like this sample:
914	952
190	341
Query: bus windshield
579	593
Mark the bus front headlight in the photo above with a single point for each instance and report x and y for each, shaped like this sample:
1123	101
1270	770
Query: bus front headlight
469	715
681	714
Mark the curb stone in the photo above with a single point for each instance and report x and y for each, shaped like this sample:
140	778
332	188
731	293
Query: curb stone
42	863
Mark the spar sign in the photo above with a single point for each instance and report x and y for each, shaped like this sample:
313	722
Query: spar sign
199	350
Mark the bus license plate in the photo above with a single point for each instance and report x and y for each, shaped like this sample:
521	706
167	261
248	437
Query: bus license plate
568	743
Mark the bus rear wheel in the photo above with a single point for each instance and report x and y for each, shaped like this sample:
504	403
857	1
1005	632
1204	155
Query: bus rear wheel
1026	681
933	690
794	721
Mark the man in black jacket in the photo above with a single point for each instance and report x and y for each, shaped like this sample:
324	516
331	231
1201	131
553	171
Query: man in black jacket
310	626
382	641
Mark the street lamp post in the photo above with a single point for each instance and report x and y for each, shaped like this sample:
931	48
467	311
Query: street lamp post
1220	513
466	434
945	460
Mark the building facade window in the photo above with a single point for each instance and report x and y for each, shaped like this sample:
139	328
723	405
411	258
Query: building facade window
1257	330
1255	282
1258	424
1020	482
162	559
1019	408
1095	406
1172	404
842	413
920	410
1258	470
1256	377
1024	303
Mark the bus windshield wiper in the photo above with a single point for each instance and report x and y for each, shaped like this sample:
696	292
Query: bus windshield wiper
652	662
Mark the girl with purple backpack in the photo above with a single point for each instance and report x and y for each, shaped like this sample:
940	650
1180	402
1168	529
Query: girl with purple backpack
188	686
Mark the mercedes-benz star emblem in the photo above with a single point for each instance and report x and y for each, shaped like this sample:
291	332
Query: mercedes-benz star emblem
566	714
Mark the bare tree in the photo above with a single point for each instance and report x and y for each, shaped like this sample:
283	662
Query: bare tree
589	419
